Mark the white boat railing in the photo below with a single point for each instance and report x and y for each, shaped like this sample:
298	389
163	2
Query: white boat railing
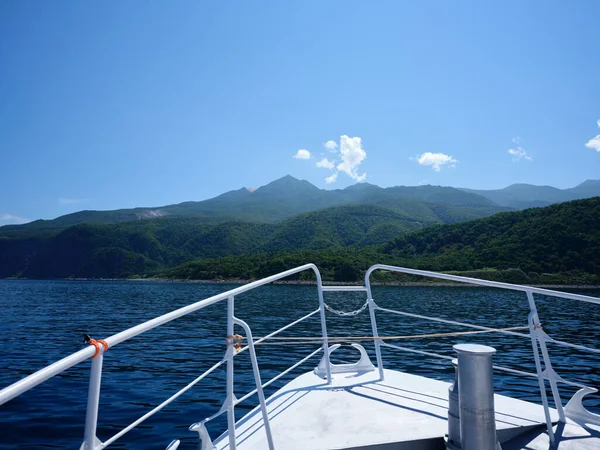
574	408
91	442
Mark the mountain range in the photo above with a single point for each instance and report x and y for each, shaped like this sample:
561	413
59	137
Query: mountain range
555	244
288	196
286	215
522	196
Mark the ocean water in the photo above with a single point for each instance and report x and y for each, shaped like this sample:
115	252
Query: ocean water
43	321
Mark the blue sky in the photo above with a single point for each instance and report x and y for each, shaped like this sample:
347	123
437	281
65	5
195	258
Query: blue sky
123	104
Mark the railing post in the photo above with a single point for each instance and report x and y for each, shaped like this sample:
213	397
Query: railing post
534	325
377	341
257	380
230	400
90	441
323	326
547	363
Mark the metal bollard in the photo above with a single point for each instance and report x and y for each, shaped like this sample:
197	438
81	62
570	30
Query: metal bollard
453	442
476	397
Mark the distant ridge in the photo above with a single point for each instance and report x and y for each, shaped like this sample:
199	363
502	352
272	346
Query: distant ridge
522	196
288	196
557	244
440	236
281	199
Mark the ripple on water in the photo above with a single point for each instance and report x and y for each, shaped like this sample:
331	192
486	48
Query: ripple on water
45	320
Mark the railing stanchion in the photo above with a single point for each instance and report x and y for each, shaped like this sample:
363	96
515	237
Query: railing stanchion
257	380
539	335
90	440
323	326
230	400
372	308
533	322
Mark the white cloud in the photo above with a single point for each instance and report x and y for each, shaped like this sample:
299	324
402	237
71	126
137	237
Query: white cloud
331	145
352	155
516	140
302	154
71	201
326	164
10	219
436	160
331	179
518	154
594	143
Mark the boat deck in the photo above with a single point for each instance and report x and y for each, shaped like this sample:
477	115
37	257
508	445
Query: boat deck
359	411
569	436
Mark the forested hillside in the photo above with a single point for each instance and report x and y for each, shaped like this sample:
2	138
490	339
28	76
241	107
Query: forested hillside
146	247
285	198
527	246
343	240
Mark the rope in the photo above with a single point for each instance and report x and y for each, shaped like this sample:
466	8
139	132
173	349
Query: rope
342	339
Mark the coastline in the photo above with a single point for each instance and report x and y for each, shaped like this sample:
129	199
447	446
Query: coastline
325	283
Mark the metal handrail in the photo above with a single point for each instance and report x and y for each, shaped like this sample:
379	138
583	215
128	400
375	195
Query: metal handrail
277	377
496	284
536	334
90	439
48	372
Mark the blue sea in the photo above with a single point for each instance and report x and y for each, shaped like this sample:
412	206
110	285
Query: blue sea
43	321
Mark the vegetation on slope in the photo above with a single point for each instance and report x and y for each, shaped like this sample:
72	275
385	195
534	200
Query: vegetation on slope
145	247
528	246
343	241
283	199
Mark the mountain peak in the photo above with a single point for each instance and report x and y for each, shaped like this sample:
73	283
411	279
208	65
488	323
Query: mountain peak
288	183
589	183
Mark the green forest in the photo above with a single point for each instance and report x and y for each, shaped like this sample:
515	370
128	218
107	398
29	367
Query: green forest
555	244
552	245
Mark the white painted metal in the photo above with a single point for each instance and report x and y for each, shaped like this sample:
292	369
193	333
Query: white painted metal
533	326
344	288
378	342
450	322
162	405
257	380
230	399
60	366
537	336
362	411
90	441
361	366
205	440
496	284
419	352
577	412
272	380
276	332
323	323
174	445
